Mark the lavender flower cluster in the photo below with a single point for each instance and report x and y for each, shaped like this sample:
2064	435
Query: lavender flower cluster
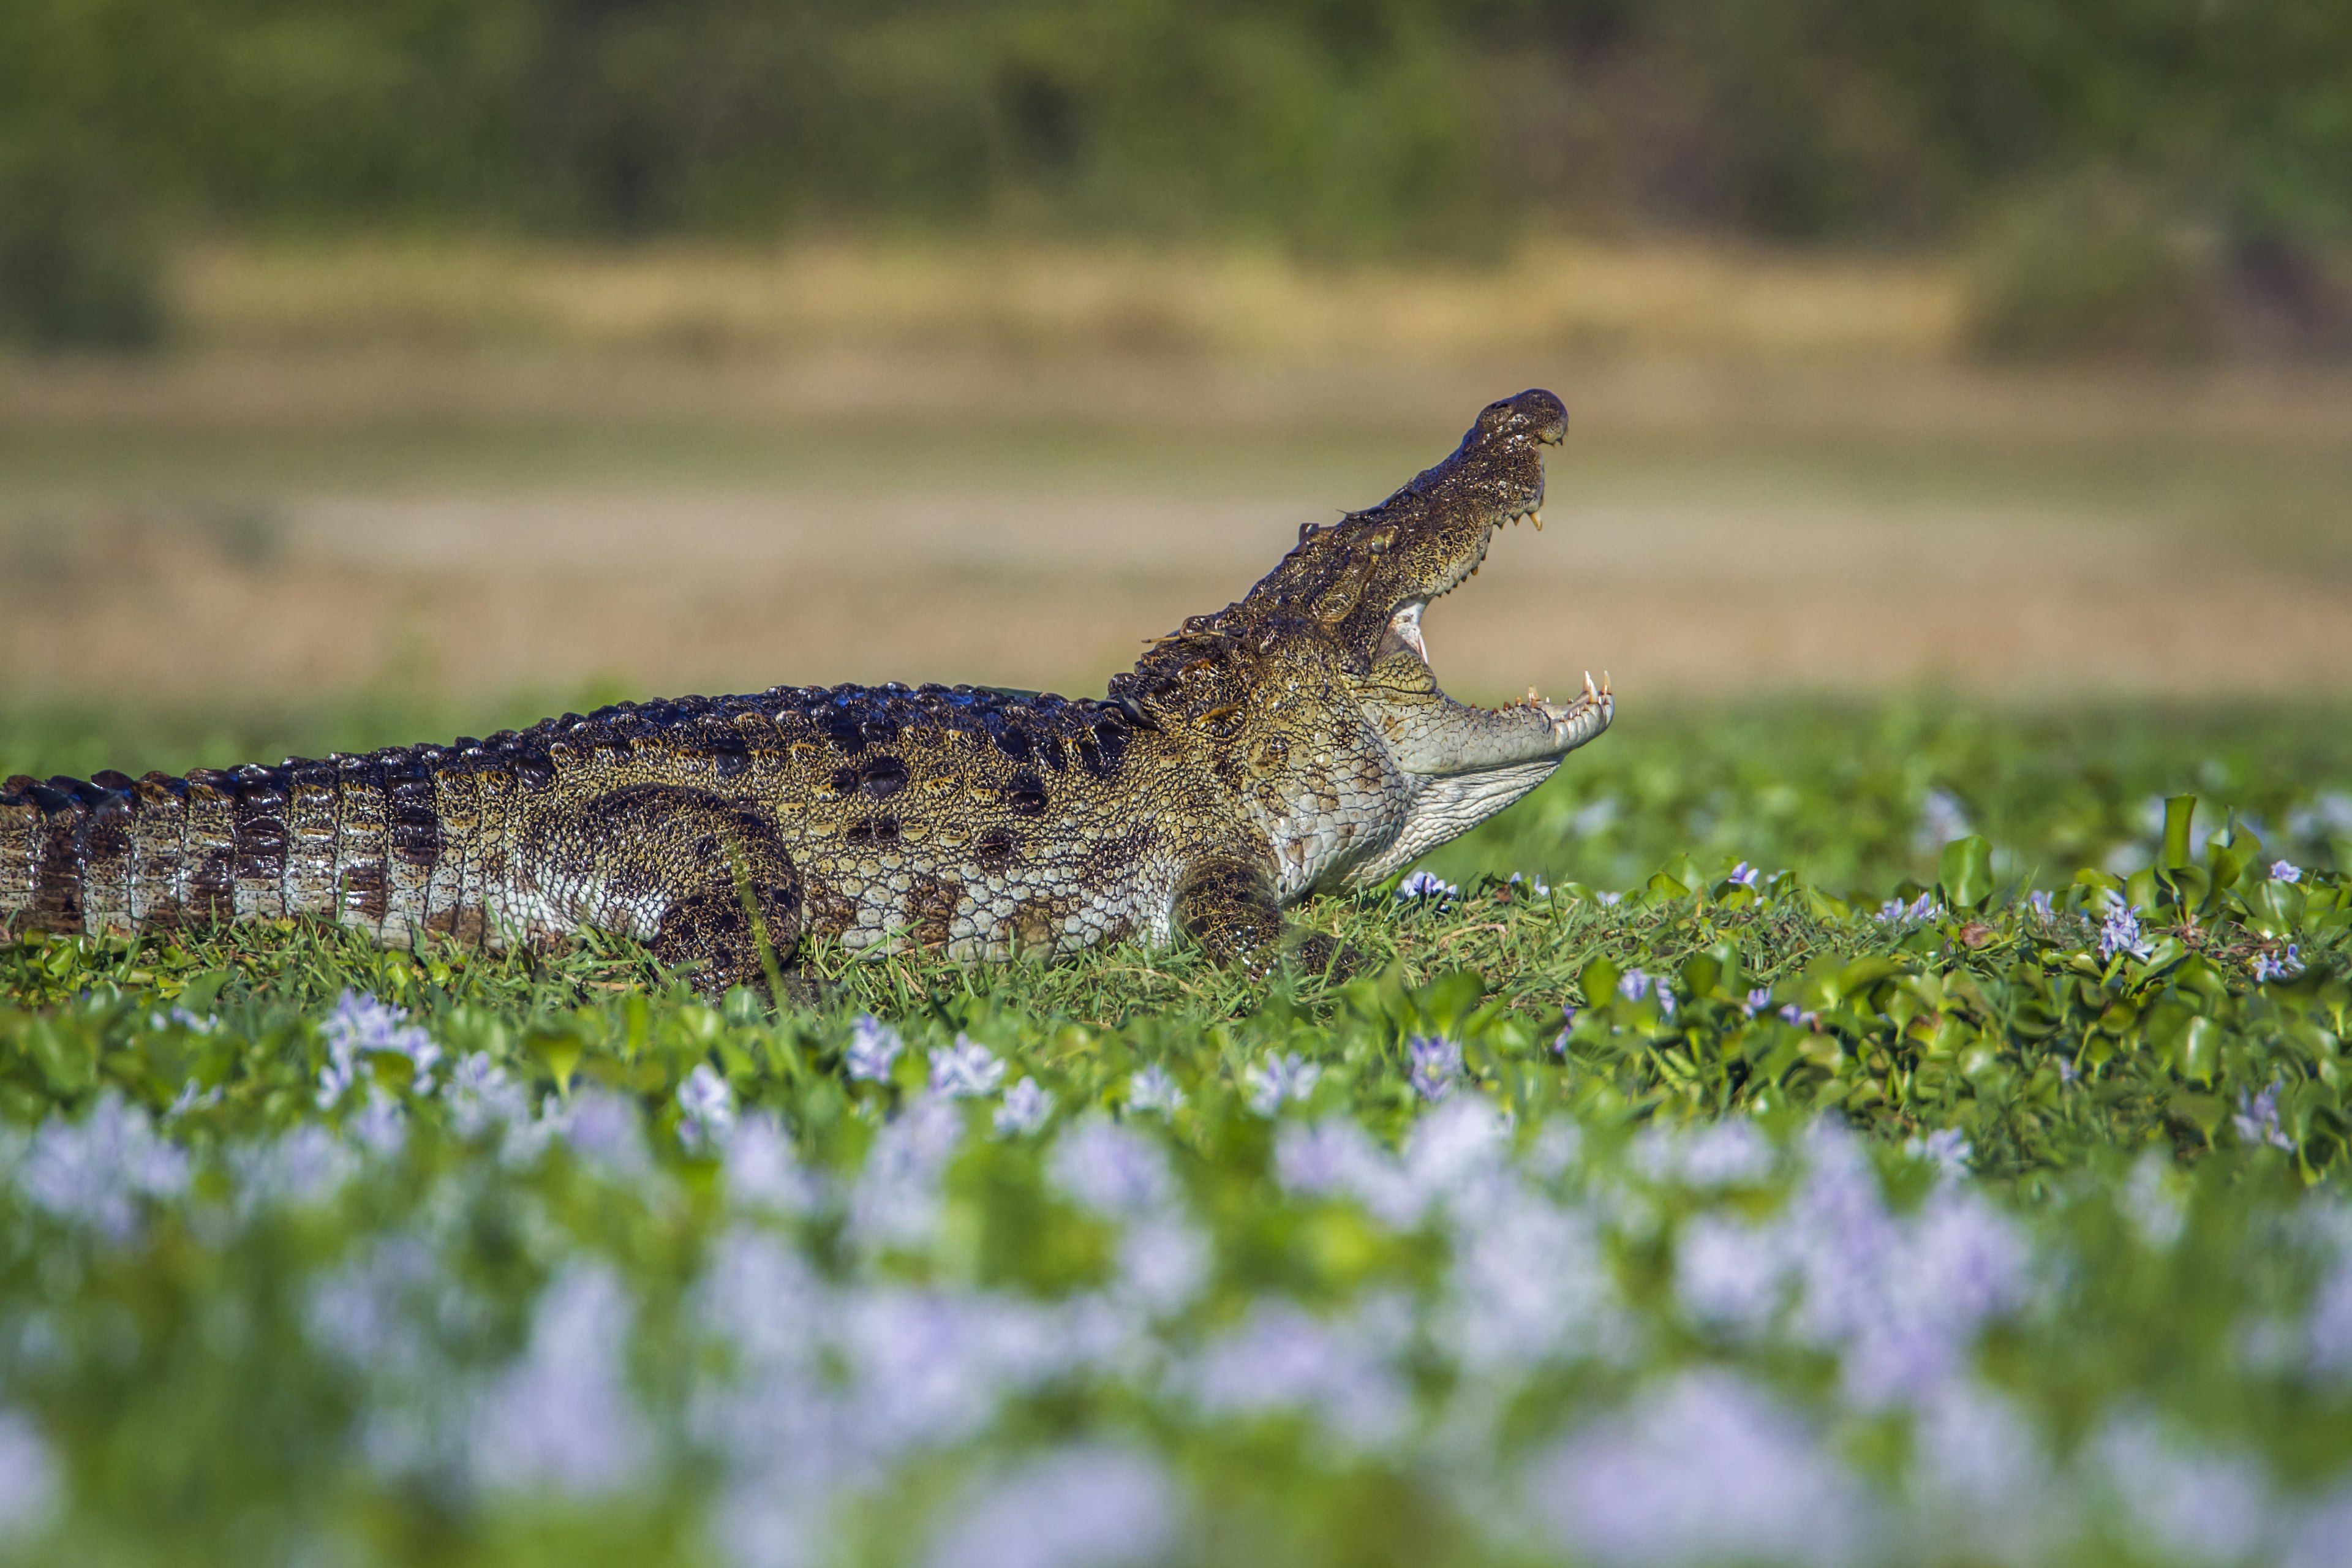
1745	1312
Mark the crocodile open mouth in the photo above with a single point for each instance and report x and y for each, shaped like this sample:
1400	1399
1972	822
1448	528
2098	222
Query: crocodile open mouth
1404	631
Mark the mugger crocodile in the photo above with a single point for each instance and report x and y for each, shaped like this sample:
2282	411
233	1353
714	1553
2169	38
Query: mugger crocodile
1292	742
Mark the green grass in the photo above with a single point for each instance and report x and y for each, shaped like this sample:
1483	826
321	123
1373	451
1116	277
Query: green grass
2160	1129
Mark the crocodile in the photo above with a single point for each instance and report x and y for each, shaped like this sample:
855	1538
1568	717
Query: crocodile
1295	741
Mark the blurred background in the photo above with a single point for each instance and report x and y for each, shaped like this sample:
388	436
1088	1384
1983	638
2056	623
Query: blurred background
517	352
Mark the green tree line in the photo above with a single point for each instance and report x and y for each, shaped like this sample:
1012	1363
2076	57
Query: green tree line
1335	126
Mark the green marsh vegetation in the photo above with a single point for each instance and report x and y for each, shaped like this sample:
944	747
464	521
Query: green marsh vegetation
1934	1112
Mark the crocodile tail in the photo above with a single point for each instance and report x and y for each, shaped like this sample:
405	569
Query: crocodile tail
395	842
65	853
21	820
114	853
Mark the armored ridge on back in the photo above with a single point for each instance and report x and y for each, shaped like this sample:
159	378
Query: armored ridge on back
1294	740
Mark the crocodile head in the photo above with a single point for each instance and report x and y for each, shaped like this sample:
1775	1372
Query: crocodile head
1342	612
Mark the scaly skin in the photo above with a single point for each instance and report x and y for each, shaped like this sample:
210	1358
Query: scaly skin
1292	742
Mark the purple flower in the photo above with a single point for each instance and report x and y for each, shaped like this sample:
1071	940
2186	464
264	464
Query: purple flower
1111	1171
1636	984
2120	932
709	1103
930	1368
1541	888
360	1024
1948	1148
1726	1154
2281	966
1707	1469
481	1096
562	1418
895	1200
1281	1359
1744	874
308	1164
1756	1001
2186	1505
1077	1508
1900	1299
1436	1065
605	1133
96	1172
2329	1331
2257	1118
965	1069
1426	885
874	1046
2151	1201
1529	1284
1984	1477
2285	871
1941	820
1728	1274
28	1475
1896	912
1153	1090
1331	1158
761	1170
1025	1109
1288	1077
2322	1538
2039	905
1162	1264
365	1309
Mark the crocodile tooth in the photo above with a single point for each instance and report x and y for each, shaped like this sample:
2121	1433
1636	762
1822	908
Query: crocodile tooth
1535	518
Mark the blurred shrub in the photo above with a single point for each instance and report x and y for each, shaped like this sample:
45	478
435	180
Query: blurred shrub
2093	265
79	268
1331	126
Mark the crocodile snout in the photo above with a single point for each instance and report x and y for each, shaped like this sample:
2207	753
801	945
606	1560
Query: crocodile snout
1534	413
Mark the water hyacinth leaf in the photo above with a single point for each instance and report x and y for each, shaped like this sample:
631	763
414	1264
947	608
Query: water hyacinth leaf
1964	872
2206	1112
560	1051
66	1057
1856	979
2161	955
1446	1004
1702	973
2180	817
2192	886
2228	863
2276	909
1598	980
2197	1051
201	991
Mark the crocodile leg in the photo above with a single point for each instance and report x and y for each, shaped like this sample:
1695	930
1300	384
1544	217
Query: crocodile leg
1227	904
704	879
